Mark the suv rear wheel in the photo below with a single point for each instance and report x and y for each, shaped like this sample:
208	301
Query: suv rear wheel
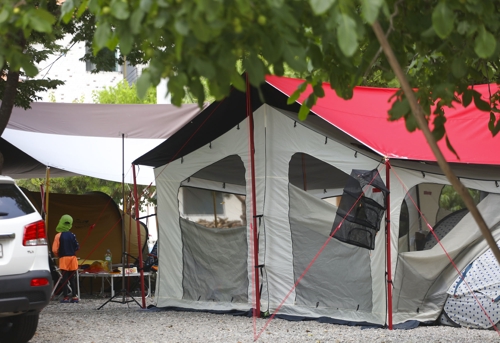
18	329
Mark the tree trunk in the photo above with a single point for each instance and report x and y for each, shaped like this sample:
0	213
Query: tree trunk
8	104
422	123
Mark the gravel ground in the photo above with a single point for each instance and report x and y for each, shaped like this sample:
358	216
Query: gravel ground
117	322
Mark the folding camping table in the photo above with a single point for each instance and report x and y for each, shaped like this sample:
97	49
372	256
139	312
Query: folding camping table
109	277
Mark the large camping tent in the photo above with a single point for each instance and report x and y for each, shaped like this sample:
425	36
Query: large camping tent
293	185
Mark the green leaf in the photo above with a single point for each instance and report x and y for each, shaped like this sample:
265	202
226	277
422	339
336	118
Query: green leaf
135	21
321	6
275	3
311	100
295	95
119	10
443	20
179	40
126	43
94	6
480	103
494	128
450	147
255	69
303	112
346	35
67	10
182	27
146	5
370	9
238	82
318	90
316	55
102	35
485	43
28	67
143	84
4	15
205	68
82	8
411	123
439	130
302	86
41	20
399	109
279	69
467	97
459	67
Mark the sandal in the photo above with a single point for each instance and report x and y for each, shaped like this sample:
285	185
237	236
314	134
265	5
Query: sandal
65	300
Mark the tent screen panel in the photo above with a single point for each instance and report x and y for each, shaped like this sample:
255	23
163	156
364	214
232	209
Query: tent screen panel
317	177
441	207
214	263
212	209
361	209
341	275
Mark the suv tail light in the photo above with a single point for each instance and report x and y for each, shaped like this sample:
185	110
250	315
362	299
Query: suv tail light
34	234
39	282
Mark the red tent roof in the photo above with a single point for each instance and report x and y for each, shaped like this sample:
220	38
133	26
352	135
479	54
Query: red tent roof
365	118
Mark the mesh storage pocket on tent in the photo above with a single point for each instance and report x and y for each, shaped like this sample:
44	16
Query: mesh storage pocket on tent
361	209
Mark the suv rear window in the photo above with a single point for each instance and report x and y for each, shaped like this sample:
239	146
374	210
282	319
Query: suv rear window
13	203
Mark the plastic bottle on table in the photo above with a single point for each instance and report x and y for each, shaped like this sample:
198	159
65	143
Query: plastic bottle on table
109	261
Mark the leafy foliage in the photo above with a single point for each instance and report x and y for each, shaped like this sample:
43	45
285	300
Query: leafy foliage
450	200
87	184
447	46
123	93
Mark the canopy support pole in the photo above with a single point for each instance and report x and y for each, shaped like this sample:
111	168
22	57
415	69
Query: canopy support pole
139	243
388	245
46	200
254	200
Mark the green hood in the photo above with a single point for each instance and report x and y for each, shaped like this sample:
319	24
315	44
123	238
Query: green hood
65	223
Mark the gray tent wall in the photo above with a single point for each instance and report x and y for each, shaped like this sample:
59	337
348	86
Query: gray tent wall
421	278
277	139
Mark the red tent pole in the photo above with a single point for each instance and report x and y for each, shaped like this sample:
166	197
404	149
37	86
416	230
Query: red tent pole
388	247
254	200
136	198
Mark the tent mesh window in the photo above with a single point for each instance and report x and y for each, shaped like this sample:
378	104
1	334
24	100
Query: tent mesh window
340	277
214	233
361	209
214	263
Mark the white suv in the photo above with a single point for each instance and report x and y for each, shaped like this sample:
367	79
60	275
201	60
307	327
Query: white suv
25	279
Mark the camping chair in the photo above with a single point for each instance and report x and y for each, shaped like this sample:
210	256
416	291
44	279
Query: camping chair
56	278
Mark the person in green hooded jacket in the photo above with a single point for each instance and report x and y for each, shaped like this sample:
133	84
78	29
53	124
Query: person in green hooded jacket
65	247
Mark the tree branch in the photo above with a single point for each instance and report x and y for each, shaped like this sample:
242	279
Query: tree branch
422	123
